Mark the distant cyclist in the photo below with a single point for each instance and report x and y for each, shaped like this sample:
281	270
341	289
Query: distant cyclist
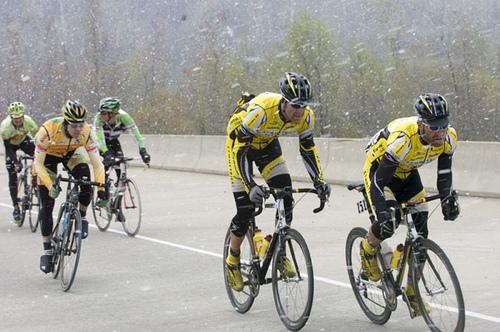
17	131
66	140
390	174
252	136
109	124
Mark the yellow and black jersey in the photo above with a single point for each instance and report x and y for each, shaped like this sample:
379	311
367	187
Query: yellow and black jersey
52	139
259	125
400	141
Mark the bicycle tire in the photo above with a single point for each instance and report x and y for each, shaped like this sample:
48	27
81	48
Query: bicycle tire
71	244
446	313
241	301
131	208
35	195
368	296
56	240
102	215
287	290
21	184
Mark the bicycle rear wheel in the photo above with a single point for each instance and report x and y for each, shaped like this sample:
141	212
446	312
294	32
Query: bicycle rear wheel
241	301
102	215
130	207
21	184
438	286
34	205
71	247
368	293
293	280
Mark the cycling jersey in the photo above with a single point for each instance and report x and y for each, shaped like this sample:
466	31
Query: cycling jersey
259	126
106	132
16	135
53	140
400	141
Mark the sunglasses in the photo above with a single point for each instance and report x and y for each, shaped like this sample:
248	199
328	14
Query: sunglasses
76	124
110	114
297	106
435	128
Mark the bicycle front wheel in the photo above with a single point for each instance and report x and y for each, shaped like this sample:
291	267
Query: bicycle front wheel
34	208
368	293
437	289
130	208
241	301
293	280
71	247
21	192
102	215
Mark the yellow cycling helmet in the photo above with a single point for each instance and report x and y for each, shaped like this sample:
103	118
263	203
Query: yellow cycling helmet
73	111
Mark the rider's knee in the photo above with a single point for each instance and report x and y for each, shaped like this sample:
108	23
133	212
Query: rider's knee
239	226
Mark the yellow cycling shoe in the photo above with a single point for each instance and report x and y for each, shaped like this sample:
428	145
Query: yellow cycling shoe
233	273
288	268
369	261
413	301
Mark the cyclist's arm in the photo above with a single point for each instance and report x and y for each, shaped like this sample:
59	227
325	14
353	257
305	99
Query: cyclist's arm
95	160
41	145
382	178
309	154
31	126
241	147
444	178
129	124
99	134
6	130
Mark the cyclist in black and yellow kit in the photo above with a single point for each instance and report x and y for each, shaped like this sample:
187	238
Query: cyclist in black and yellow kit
67	139
390	174
252	136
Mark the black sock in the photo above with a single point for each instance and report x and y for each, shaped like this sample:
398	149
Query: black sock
234	253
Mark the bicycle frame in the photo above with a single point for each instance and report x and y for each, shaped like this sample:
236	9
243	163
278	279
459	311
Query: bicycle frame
279	232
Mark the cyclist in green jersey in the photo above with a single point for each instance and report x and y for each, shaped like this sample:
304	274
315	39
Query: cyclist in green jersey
109	124
17	131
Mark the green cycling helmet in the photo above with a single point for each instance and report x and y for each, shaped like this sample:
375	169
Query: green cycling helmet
109	104
16	109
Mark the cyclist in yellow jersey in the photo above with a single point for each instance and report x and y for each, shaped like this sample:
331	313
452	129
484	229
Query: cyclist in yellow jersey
64	140
390	173
252	136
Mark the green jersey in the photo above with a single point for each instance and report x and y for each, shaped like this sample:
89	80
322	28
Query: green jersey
107	132
16	135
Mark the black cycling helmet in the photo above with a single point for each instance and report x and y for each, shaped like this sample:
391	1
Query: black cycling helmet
74	112
296	89
432	108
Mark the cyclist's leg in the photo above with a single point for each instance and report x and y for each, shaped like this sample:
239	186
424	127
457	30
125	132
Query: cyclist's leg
80	171
10	164
46	209
115	146
28	146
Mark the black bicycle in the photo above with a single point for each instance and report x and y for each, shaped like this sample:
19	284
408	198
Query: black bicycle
67	232
435	283
27	189
125	201
293	287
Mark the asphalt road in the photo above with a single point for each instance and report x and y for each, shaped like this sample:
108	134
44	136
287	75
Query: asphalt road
169	278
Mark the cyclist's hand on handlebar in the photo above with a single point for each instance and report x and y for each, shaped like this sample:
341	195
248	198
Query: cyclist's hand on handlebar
146	158
54	191
257	194
324	190
109	159
450	207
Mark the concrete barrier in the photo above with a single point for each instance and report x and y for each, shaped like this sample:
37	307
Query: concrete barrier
476	165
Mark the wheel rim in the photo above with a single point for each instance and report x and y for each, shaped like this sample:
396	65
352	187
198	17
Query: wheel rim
130	206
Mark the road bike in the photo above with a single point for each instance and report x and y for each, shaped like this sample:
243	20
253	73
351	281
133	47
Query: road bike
27	189
67	232
292	291
435	284
125	201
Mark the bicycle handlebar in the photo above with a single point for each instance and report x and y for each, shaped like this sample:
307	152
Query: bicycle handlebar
78	181
420	201
281	193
